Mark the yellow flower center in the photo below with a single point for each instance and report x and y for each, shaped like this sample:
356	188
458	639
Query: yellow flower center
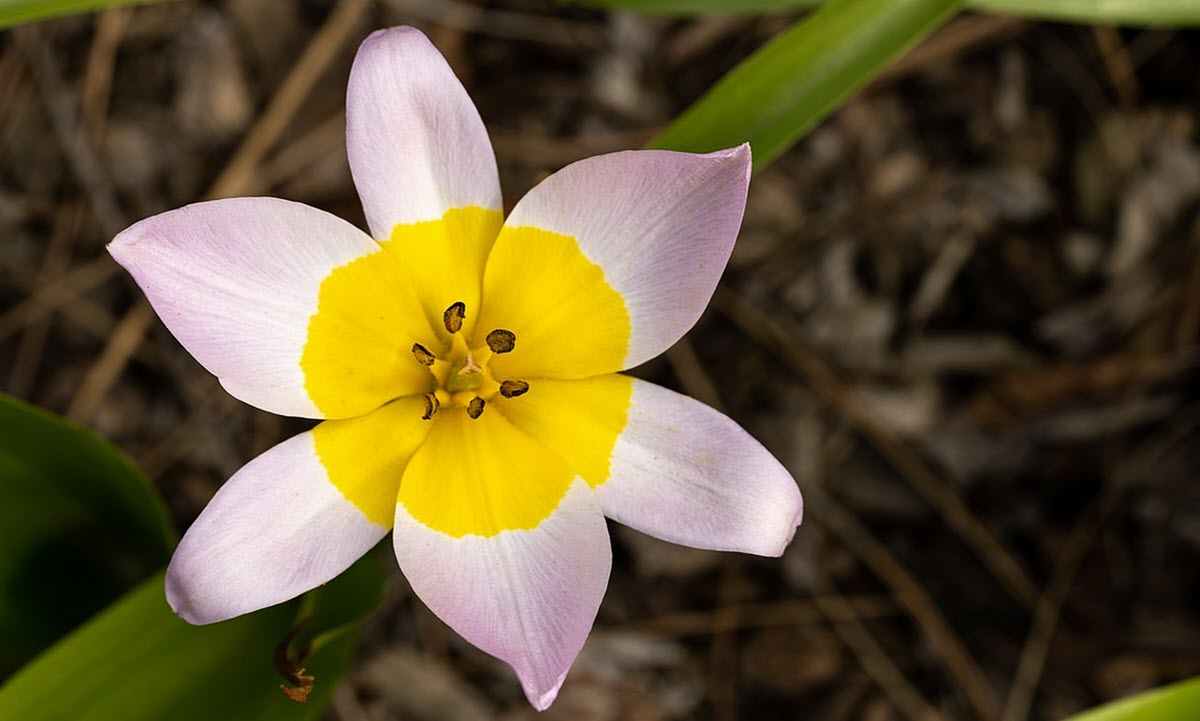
508	466
462	379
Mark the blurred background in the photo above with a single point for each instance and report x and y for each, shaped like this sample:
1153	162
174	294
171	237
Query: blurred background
964	311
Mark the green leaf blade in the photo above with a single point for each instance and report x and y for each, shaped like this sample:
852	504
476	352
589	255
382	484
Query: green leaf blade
1166	13
137	661
1115	12
343	604
785	88
1170	703
20	12
79	525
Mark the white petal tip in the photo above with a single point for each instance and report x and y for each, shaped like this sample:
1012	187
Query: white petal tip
406	111
124	245
180	602
400	33
738	161
791	513
541	700
797	517
739	153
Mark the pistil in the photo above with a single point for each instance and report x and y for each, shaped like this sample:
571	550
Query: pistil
464	375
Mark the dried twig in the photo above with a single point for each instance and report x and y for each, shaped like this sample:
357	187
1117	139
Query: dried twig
293	91
1187	328
1117	63
838	394
328	136
33	340
64	117
212	410
93	176
691	373
11	71
875	661
968	32
956	661
527	27
1070	558
89	316
697	382
793	612
556	152
103	373
79	280
126	340
724	650
97	79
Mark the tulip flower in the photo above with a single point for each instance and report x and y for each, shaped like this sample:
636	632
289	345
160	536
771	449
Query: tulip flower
466	368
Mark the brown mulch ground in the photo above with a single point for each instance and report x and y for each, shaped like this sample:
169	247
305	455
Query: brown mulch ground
965	311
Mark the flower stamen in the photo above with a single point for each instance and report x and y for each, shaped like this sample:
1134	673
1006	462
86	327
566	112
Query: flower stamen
475	407
461	377
513	388
431	406
453	317
501	341
422	354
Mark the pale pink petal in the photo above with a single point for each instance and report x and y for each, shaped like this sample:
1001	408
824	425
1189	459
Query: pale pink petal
276	529
296	516
237	281
416	144
686	473
528	597
660	224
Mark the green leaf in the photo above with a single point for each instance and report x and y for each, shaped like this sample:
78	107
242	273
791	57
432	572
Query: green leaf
781	91
1122	12
79	526
137	661
1170	703
341	606
19	12
1117	12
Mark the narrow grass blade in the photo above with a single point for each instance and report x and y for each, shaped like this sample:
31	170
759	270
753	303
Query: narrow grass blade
781	91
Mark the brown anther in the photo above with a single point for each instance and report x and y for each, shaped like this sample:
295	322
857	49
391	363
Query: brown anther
512	389
453	317
501	341
303	689
431	406
422	354
475	407
299	684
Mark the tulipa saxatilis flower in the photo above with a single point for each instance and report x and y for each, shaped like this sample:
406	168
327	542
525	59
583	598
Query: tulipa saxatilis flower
466	368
